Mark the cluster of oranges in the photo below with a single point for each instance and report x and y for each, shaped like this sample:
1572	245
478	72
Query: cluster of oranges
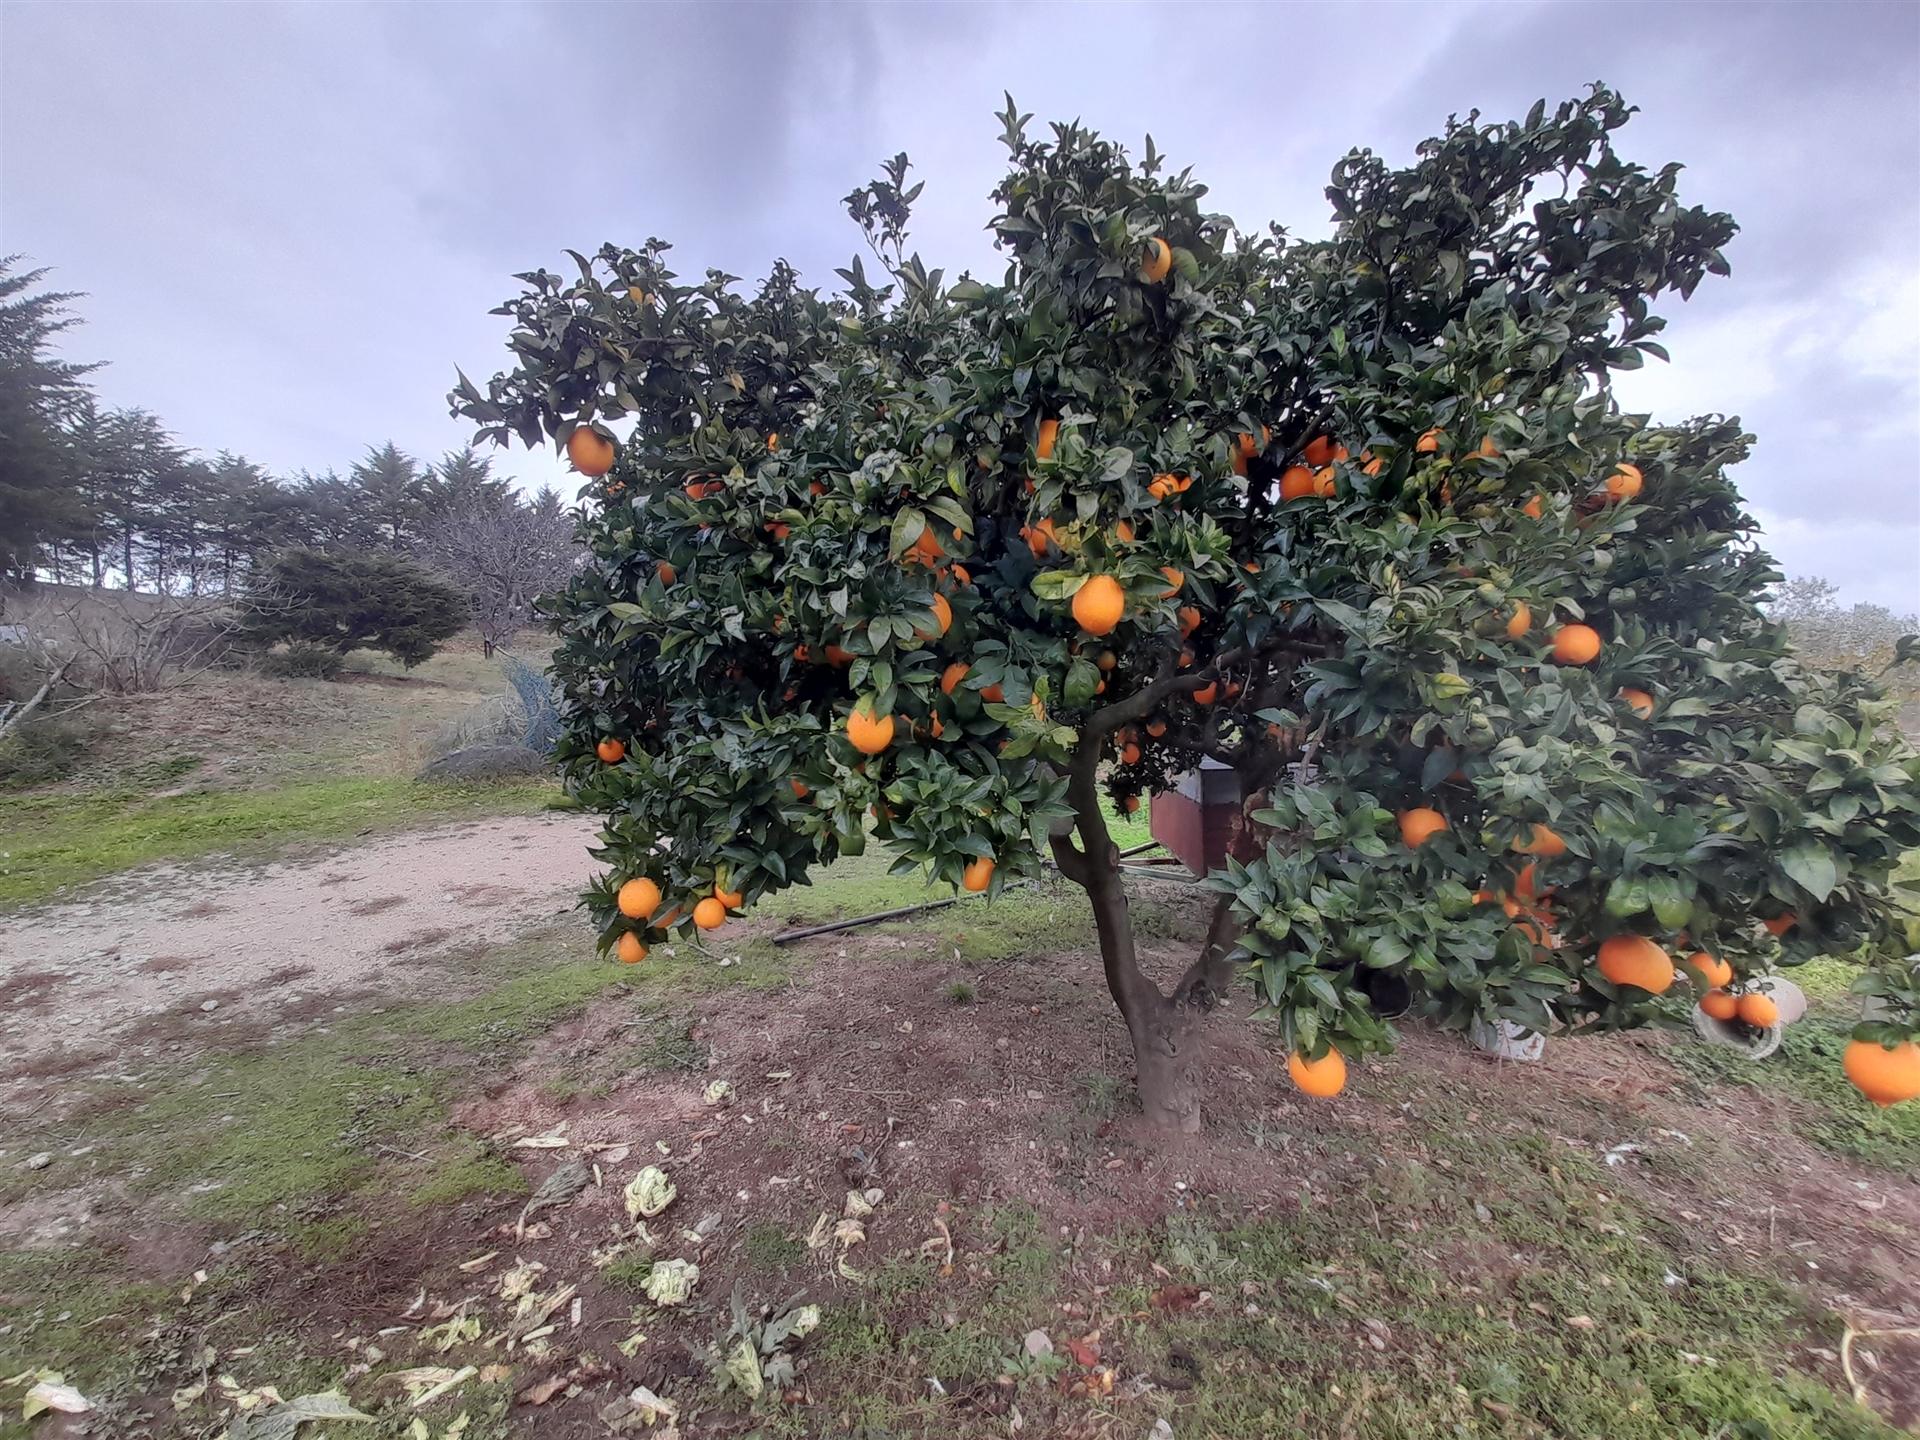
1886	1074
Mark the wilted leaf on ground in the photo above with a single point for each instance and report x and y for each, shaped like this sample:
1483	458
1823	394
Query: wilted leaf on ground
642	1409
648	1193
51	1393
670	1282
283	1421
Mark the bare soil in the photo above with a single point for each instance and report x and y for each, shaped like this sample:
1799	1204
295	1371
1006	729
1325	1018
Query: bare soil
866	1076
118	976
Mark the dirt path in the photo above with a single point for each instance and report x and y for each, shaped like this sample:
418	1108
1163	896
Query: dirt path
172	951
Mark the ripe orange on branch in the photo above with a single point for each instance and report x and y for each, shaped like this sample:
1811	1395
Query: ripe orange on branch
1624	484
590	452
612	752
1720	1004
1710	970
628	949
1419	825
638	898
1541	841
1637	961
1576	644
1159	261
869	733
1099	604
1885	1074
1323	1078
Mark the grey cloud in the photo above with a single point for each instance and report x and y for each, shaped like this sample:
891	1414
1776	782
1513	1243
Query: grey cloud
293	219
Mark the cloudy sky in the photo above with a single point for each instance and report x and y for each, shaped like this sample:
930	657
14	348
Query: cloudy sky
291	220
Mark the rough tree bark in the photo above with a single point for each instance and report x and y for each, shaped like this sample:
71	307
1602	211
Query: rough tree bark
1166	1028
1163	1027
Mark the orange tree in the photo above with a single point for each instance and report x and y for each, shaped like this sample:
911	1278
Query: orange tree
937	563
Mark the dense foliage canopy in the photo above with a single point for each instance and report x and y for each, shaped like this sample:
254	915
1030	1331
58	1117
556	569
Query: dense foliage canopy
1358	517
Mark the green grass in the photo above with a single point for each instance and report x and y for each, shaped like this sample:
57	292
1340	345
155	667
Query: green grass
1826	1109
770	1247
57	839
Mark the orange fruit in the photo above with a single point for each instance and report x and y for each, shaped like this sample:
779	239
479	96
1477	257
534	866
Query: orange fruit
1175	579
1099	604
1576	644
666	573
1885	1074
1534	508
1207	694
978	874
1106	660
869	733
1758	1010
1324	484
1720	1004
1419	825
1319	451
709	914
1189	618
994	693
628	949
1624	484
1049	436
1520	622
952	676
1324	1078
1780	924
778	529
773	442
1710	969
1296	483
590	451
816	488
611	752
638	898
1156	728
1161	487
1635	960
800	790
1429	442
1038	537
1123	532
1638	701
942	615
1488	450
962	575
1130	755
926	549
1131	804
732	899
1525	883
1159	262
1542	842
1370	463
1246	447
839	655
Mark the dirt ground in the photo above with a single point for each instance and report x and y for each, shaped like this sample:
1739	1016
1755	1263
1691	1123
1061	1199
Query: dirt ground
218	954
933	1139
